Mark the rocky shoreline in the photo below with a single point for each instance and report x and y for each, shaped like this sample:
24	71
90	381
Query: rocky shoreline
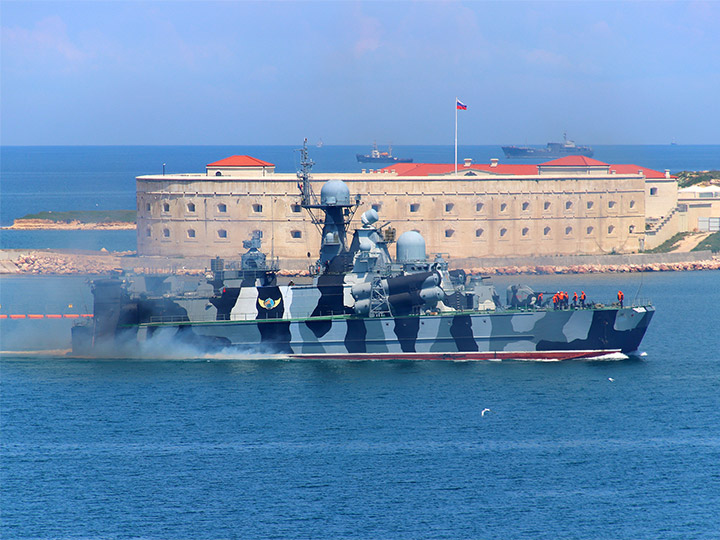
103	263
74	225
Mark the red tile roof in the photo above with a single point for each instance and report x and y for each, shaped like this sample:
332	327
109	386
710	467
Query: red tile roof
240	161
575	161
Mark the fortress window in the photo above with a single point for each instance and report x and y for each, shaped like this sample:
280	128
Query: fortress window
449	233
568	205
191	207
611	204
222	233
257	233
546	206
631	229
589	204
546	231
191	233
568	231
166	233
632	204
257	208
503	232
377	207
653	191
503	207
148	232
478	207
525	205
222	208
414	207
611	228
296	234
147	207
296	208
590	230
218	173
525	231
479	233
449	206
166	207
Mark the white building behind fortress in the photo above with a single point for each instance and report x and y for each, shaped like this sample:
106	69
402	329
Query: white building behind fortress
573	205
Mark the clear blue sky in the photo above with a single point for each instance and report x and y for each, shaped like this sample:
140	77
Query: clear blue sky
352	72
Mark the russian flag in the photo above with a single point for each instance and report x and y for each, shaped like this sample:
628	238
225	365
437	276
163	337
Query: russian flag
461	105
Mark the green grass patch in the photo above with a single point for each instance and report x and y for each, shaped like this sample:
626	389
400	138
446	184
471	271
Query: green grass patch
87	216
690	178
712	243
669	244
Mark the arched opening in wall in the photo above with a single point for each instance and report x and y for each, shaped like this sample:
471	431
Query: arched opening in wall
470	174
589	230
611	204
449	207
257	208
222	208
148	232
632	204
589	205
568	231
147	207
503	232
503	207
525	205
191	207
449	233
479	233
296	208
166	233
479	207
191	233
568	205
218	173
166	207
525	231
611	229
631	229
546	231
296	234
546	205
414	207
222	233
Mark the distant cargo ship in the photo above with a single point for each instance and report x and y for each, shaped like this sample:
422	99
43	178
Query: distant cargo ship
376	156
552	150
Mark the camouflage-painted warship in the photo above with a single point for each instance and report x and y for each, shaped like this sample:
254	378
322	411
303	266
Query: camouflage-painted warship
361	304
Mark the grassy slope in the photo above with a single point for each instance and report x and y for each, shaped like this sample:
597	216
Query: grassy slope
88	216
712	243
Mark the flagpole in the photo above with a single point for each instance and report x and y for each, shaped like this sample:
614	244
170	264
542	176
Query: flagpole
456	110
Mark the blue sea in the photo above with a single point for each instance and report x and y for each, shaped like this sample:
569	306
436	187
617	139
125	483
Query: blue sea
182	444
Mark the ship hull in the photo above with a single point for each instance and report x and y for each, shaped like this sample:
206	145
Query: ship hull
363	158
541	334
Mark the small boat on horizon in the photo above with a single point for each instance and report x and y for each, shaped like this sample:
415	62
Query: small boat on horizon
376	156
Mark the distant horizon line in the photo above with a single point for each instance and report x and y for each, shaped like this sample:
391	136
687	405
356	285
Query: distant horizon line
335	145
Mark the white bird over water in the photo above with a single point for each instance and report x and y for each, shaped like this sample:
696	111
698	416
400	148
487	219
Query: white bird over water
611	379
485	411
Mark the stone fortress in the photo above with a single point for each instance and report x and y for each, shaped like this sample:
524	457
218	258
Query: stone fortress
569	206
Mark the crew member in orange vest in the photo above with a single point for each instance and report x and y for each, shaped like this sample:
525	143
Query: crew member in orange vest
574	299
556	299
582	298
621	296
539	299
